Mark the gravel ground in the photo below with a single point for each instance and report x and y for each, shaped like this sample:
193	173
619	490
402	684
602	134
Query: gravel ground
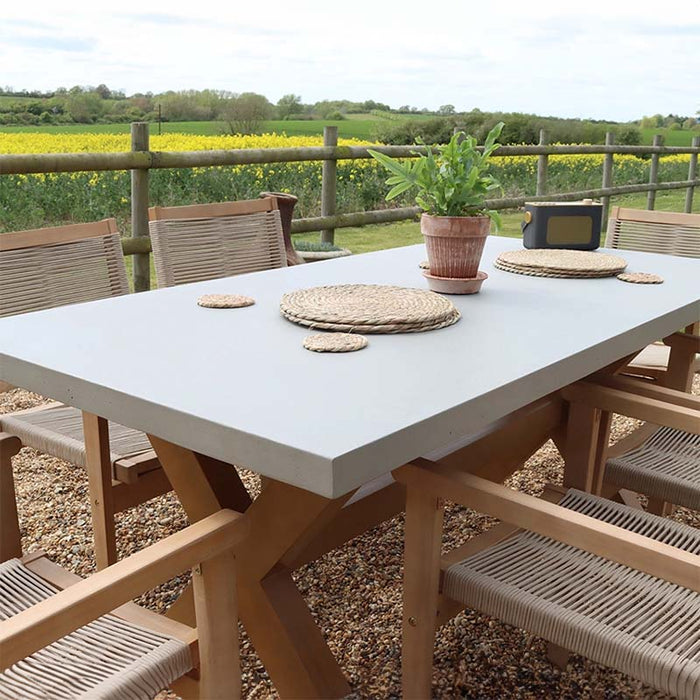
354	592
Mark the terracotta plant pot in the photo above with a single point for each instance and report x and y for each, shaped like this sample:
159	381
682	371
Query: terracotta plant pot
454	244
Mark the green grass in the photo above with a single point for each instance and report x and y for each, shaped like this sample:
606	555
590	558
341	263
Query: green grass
358	126
680	137
379	237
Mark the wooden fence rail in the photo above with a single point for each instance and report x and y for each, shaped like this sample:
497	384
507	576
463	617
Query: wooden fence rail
140	160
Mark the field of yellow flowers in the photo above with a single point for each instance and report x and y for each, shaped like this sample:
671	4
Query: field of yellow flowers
28	201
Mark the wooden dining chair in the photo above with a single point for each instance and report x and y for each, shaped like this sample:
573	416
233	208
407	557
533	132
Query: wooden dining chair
58	637
668	233
661	462
618	585
209	241
50	267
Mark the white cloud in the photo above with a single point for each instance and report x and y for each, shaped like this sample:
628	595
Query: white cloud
600	59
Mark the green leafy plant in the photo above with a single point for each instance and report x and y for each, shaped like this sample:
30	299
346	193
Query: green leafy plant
451	180
315	246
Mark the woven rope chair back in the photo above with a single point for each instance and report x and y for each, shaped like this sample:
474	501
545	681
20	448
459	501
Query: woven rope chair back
210	241
50	267
669	233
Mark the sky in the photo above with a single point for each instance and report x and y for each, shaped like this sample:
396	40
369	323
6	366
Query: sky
597	59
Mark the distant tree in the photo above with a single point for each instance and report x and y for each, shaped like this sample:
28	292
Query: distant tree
689	123
245	113
370	105
103	91
288	105
192	105
83	107
628	136
446	110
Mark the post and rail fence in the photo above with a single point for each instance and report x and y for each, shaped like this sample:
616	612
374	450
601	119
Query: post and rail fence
140	160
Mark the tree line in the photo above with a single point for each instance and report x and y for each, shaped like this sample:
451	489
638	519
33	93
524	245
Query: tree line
245	113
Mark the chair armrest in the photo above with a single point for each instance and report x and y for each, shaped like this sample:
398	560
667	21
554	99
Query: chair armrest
554	521
57	616
647	402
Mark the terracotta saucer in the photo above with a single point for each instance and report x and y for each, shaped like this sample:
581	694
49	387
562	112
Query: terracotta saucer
455	285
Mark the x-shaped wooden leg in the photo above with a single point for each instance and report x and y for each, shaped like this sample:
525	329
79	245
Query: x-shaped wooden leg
282	519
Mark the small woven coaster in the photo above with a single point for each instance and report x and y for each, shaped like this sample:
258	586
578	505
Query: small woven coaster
224	301
641	278
424	265
335	342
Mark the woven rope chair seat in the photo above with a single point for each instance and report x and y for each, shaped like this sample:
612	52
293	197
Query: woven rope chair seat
58	430
617	616
108	659
666	466
656	355
369	308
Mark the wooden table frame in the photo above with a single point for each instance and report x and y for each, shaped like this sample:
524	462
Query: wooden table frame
291	526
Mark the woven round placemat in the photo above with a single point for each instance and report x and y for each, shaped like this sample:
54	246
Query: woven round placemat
640	278
335	342
369	308
225	301
560	263
532	272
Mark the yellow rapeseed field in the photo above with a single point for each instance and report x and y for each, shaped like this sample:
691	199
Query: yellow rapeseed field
35	200
113	143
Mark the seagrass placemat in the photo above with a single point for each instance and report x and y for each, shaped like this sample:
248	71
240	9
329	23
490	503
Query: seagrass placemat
369	308
548	273
335	342
560	263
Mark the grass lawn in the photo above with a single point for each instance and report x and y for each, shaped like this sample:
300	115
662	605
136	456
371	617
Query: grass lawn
679	137
378	237
359	126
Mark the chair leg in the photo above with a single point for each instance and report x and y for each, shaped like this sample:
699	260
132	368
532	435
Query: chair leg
99	471
216	608
559	656
424	516
10	541
659	507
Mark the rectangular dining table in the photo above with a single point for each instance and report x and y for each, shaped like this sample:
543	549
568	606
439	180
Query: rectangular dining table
236	386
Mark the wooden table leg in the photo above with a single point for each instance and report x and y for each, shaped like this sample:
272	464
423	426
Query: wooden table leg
581	449
99	472
274	613
424	518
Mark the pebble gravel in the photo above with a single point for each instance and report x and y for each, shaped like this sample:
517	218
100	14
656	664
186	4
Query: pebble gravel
354	592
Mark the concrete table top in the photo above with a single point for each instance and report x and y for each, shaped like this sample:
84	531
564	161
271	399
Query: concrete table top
238	385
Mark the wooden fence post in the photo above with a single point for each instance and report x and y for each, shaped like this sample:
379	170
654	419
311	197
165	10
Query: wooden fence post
692	173
328	183
139	208
607	177
542	163
654	171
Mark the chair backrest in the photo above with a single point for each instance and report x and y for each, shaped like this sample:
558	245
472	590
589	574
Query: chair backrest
654	232
49	267
209	241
